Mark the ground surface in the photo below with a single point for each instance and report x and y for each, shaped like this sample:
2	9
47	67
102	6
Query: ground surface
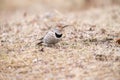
88	50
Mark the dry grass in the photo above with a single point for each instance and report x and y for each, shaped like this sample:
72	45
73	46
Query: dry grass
88	50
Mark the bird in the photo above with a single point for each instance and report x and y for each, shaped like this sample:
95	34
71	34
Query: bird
53	36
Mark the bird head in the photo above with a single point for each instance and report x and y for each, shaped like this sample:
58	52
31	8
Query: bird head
61	26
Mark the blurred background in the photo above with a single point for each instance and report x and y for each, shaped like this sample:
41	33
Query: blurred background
63	5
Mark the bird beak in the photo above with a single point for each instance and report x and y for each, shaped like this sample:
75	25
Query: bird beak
65	26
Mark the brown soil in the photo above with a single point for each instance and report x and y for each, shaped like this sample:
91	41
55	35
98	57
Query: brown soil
88	50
